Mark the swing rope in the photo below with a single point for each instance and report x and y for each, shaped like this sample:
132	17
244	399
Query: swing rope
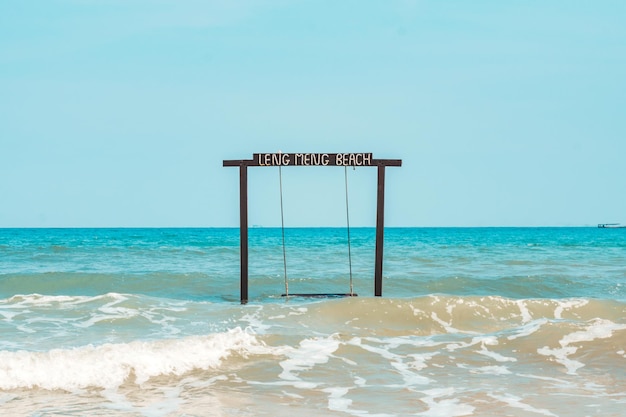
348	226
282	228
282	223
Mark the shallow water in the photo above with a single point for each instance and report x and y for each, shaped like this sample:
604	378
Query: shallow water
147	322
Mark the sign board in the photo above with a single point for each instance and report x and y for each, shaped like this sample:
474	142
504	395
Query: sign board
312	159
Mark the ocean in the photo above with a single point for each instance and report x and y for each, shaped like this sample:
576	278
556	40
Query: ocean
471	322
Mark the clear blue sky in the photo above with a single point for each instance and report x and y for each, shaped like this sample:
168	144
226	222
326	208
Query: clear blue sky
120	112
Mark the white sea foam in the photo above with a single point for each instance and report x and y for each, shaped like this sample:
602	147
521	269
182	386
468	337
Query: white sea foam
439	406
491	370
255	322
311	352
337	400
446	325
8	315
44	300
516	402
451	347
110	365
298	311
496	356
528	329
568	305
420	360
406	370
25	329
526	316
109	313
598	329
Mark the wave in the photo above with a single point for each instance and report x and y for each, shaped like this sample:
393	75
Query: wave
111	365
213	283
177	285
486	335
441	314
426	315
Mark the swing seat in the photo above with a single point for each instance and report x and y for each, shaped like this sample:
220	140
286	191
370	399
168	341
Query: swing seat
321	295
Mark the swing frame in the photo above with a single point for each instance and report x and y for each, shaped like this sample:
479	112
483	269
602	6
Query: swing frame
311	159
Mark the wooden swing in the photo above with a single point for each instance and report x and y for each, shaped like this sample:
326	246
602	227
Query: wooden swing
282	227
311	159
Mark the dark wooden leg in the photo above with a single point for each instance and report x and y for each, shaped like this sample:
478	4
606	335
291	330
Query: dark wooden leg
380	233
243	230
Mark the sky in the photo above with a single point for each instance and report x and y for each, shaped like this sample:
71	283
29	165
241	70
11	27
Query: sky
119	113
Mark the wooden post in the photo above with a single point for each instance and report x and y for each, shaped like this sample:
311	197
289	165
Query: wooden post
243	230
380	232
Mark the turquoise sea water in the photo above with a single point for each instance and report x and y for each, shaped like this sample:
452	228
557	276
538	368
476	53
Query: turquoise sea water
473	321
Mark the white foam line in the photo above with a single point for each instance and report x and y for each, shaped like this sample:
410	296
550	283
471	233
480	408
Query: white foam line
598	329
496	356
359	381
203	383
310	353
338	402
558	311
8	315
255	324
547	378
117	401
167	407
96	319
164	321
110	311
561	356
43	300
25	329
454	346
516	402
528	329
110	306
487	370
410	377
526	316
444	407
420	360
299	384
447	326
396	342
292	395
298	311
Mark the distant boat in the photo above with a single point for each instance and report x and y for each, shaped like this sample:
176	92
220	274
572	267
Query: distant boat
611	226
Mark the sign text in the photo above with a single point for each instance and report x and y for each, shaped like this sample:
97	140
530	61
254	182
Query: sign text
313	159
